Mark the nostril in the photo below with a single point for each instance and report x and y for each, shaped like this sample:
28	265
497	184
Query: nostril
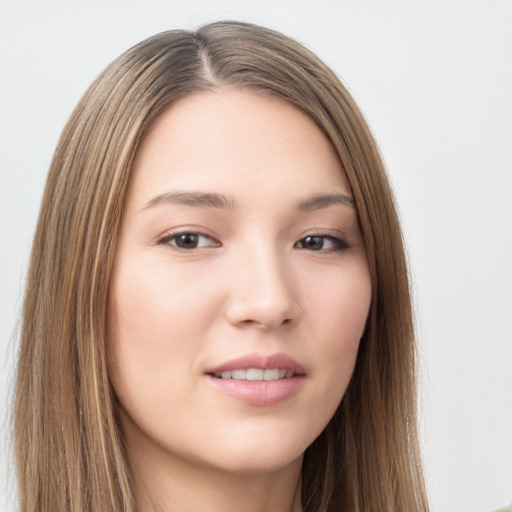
265	324
249	322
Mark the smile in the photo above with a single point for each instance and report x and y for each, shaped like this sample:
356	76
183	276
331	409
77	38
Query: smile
260	380
256	374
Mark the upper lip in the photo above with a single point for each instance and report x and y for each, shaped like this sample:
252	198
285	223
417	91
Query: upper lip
261	361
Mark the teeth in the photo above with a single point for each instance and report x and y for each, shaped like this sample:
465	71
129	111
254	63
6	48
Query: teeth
256	374
239	374
271	375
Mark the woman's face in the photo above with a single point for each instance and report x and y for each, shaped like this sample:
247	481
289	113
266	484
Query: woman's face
240	257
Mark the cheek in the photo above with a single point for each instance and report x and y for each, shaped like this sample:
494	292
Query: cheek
151	304
340	306
340	311
157	322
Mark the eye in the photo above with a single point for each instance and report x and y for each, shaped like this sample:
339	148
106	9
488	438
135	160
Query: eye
189	240
323	243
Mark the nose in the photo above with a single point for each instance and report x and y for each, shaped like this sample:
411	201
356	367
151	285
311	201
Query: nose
262	291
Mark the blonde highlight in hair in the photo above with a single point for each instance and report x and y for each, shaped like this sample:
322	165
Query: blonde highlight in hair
69	450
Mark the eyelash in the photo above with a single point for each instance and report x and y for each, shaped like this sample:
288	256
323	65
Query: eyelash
338	244
167	239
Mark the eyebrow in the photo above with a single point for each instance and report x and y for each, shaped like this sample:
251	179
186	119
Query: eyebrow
197	199
325	200
213	200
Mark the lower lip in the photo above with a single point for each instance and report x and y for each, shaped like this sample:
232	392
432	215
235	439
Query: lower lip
259	392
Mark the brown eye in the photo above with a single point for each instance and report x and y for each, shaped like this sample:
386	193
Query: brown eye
323	243
189	240
186	240
314	243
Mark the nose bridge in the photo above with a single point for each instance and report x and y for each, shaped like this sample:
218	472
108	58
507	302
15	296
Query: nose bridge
262	289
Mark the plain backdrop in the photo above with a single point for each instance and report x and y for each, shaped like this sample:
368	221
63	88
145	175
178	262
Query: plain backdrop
434	79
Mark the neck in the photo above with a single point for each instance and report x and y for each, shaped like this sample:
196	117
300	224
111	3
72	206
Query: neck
166	483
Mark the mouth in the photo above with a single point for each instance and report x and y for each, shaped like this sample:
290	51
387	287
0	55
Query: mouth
258	367
256	374
258	380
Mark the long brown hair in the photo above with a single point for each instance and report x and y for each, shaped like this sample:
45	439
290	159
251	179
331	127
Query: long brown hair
68	446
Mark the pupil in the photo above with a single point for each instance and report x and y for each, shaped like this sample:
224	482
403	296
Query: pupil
314	242
187	240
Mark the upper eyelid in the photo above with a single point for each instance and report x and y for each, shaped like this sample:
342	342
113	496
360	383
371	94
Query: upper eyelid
183	231
328	233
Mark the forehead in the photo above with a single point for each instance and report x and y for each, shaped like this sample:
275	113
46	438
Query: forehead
234	140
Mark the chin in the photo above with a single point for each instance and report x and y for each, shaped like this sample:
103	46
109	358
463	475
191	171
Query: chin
260	463
258	452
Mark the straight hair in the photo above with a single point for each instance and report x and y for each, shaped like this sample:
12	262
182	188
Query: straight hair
69	447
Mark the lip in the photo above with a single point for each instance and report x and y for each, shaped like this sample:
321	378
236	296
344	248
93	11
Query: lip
259	393
260	361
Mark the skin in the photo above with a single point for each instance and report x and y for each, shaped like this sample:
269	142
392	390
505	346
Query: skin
253	284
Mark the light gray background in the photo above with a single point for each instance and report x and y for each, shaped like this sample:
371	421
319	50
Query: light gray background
434	79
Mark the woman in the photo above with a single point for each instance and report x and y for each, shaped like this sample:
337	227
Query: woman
217	313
